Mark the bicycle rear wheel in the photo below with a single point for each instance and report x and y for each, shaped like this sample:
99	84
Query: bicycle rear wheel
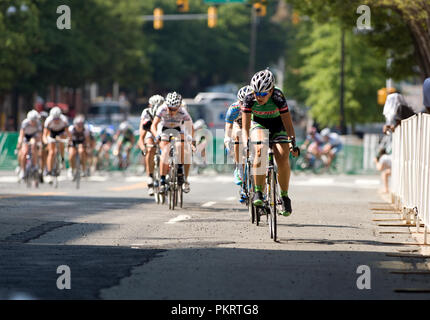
273	202
181	196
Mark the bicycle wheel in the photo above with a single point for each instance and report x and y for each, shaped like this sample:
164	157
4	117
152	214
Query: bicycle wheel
273	201
180	195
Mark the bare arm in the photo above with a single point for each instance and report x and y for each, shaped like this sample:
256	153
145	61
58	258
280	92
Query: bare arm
155	125
246	125
288	124
20	138
142	134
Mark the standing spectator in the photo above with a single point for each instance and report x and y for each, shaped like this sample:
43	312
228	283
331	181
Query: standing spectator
383	164
395	110
426	94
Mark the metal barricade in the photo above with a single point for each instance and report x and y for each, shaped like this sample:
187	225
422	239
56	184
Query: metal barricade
410	178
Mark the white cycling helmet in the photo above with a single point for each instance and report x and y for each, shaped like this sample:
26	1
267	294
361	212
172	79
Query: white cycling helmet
263	81
55	112
33	115
173	100
325	132
156	100
199	124
243	92
123	126
79	119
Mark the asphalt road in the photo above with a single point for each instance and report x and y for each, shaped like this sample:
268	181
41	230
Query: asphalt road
119	244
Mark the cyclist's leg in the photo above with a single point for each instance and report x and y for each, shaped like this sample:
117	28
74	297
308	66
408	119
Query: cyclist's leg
82	156
34	152
258	134
164	159
149	157
72	156
236	134
259	159
281	152
52	149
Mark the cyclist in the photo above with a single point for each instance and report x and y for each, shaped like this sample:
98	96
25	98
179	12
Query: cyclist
124	138
146	139
174	119
29	135
80	139
312	145
332	145
104	145
56	125
233	127
200	134
90	148
44	150
267	109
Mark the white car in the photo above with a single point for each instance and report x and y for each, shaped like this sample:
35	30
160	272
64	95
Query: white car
205	97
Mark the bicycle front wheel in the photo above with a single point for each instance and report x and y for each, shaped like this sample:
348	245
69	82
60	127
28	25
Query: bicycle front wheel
273	203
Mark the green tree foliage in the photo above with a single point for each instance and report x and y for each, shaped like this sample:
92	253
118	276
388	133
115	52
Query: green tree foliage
364	74
109	42
400	28
18	31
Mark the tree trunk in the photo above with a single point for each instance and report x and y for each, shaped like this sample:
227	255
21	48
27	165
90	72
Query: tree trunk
422	46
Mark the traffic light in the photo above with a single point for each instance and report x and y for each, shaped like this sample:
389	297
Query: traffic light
158	18
182	5
295	18
212	17
383	93
260	8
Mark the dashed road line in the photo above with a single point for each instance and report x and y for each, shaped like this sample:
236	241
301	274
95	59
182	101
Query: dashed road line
208	204
182	217
137	186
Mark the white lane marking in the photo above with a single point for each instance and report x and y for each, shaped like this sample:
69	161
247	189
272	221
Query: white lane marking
98	178
208	204
231	198
182	217
135	179
9	179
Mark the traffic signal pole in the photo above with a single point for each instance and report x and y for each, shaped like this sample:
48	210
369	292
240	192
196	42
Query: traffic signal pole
178	17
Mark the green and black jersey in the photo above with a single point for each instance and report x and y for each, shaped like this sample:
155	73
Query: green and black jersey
267	116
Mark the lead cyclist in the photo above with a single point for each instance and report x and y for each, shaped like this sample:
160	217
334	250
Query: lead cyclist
266	109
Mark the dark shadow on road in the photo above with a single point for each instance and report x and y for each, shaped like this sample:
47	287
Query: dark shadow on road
199	273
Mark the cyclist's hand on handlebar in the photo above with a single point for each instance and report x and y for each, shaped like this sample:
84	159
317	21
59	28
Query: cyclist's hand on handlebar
295	151
193	146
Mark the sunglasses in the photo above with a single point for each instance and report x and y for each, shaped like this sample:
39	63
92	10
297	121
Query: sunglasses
261	94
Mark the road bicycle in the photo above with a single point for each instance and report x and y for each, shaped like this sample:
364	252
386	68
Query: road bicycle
58	160
272	199
176	179
156	176
31	172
